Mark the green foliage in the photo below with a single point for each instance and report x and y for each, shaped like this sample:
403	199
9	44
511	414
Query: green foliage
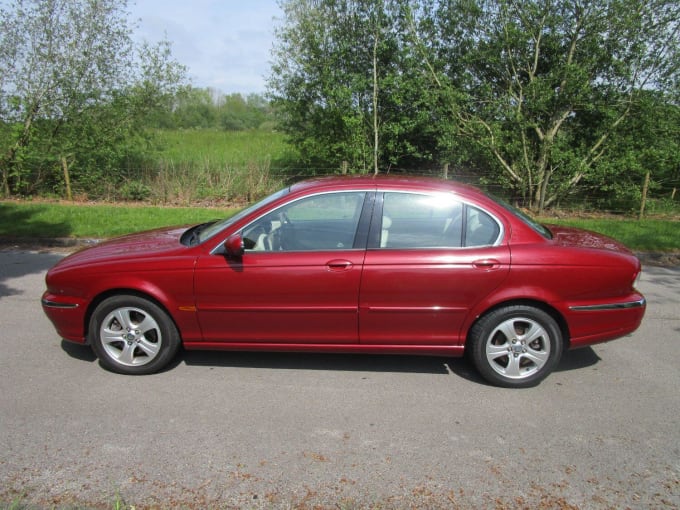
348	87
134	191
194	108
545	86
648	142
539	93
75	93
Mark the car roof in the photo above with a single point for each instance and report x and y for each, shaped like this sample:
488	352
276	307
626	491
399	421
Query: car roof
385	182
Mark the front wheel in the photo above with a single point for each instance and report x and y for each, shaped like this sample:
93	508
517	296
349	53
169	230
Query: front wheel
516	346
132	335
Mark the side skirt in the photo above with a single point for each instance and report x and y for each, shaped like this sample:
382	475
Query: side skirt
454	351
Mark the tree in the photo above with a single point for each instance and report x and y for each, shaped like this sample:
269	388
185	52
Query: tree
647	144
69	68
522	77
347	85
533	91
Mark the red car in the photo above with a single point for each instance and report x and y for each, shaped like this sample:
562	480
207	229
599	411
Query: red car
358	265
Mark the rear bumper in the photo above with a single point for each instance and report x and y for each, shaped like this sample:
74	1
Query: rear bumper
592	323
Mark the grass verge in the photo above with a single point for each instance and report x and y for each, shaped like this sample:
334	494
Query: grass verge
55	220
648	234
26	220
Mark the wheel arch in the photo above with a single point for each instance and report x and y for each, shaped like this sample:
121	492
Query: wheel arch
541	305
122	291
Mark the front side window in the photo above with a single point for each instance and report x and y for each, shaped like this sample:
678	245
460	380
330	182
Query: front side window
321	222
434	221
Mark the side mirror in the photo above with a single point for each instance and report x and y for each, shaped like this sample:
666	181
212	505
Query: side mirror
234	246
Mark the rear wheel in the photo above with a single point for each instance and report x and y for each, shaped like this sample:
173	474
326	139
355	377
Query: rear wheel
132	335
516	346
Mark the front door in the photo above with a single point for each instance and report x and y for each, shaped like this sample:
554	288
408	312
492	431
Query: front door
298	280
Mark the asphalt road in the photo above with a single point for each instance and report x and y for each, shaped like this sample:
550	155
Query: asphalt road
339	431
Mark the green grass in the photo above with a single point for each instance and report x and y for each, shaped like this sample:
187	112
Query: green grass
644	235
47	220
50	220
221	148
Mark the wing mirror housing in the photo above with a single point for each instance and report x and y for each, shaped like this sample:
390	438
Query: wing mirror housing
234	246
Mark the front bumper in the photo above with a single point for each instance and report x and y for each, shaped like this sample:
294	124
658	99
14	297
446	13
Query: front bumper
67	314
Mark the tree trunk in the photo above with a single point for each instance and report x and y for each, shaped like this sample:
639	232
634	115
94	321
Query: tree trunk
5	181
67	179
643	201
375	104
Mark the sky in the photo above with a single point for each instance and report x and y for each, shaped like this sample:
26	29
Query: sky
225	44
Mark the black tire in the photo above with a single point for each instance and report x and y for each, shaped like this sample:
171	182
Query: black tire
132	335
515	346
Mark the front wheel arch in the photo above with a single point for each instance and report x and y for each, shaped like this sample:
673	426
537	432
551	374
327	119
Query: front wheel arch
106	333
97	300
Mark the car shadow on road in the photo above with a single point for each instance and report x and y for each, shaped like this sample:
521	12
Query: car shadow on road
316	361
78	351
571	361
578	359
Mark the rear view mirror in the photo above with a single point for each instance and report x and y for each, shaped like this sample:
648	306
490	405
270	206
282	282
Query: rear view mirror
234	246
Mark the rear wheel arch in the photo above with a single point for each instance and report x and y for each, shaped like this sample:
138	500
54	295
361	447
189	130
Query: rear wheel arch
541	305
516	344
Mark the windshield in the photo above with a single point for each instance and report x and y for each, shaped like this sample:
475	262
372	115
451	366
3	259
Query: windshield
536	226
212	229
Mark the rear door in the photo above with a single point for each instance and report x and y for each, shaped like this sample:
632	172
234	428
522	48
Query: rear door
431	258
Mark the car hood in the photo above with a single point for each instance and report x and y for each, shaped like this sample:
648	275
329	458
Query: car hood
152	243
578	238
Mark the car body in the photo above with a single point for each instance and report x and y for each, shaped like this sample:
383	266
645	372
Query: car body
400	265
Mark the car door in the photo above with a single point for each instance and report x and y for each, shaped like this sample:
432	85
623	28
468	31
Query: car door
298	279
431	258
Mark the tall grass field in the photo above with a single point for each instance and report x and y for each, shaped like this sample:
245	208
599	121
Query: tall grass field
194	166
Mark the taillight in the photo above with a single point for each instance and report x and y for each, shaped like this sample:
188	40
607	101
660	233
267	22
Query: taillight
636	277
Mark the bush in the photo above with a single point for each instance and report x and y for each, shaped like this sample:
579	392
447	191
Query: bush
134	191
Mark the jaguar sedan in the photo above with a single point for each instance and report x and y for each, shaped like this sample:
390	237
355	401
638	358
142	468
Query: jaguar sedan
356	265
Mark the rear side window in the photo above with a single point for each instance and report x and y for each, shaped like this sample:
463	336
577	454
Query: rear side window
480	228
411	220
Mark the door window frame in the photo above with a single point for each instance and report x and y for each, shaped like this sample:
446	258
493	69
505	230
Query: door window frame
376	228
362	227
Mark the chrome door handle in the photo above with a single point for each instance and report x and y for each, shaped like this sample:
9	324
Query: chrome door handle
339	265
486	264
